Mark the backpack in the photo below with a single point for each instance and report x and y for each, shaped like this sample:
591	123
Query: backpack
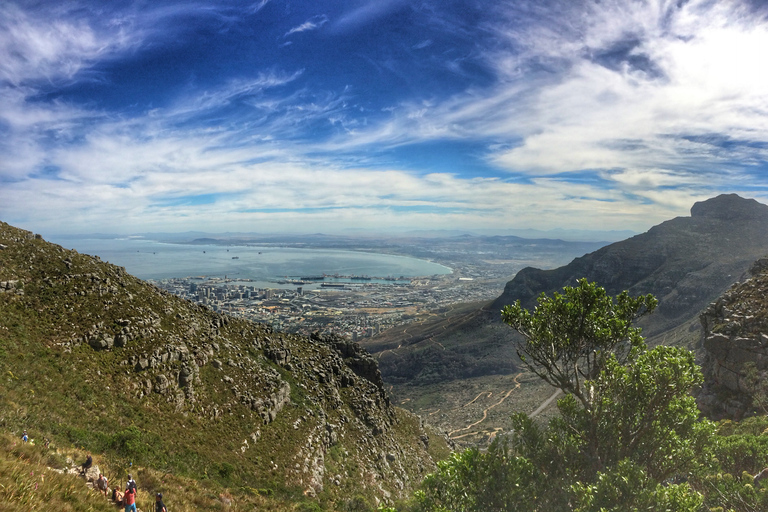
132	485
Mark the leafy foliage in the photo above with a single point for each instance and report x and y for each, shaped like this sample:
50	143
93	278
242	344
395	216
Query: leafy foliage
626	487
475	481
569	337
627	430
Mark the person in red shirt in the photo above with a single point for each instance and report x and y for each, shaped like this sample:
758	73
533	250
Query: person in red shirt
129	498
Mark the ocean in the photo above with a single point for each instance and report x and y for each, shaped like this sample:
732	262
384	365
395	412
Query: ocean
149	259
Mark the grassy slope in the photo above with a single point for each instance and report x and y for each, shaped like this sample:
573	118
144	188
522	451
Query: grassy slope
58	387
32	477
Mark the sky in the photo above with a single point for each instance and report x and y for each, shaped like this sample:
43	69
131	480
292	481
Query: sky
377	115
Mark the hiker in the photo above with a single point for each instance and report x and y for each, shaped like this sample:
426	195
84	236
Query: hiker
131	483
87	464
129	498
159	505
102	484
117	496
24	437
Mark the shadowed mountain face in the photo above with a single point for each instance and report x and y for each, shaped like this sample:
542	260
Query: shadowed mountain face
685	262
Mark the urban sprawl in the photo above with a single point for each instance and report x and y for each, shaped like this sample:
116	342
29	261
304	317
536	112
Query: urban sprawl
356	307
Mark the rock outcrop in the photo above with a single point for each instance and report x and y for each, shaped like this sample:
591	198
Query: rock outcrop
735	344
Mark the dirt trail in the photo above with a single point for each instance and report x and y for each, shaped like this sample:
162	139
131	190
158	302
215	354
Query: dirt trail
478	396
492	434
485	412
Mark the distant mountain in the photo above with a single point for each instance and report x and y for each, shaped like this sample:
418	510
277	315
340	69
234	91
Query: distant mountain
92	356
685	262
576	235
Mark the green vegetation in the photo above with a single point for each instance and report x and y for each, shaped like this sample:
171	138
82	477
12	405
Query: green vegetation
205	408
627	437
33	477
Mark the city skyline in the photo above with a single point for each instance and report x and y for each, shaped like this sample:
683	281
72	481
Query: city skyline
387	115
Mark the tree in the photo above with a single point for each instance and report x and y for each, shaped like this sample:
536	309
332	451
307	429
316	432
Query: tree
627	429
622	400
642	412
570	336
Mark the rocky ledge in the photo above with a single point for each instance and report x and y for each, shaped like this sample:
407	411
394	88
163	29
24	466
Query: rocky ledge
735	343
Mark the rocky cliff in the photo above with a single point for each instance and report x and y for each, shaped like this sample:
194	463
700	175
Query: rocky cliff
735	342
94	356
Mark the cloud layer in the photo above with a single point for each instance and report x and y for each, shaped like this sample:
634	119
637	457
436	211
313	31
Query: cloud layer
378	115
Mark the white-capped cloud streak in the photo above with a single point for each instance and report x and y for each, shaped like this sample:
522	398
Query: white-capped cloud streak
313	23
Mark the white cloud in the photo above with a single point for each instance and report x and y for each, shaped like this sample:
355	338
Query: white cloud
311	24
37	48
713	80
559	105
131	183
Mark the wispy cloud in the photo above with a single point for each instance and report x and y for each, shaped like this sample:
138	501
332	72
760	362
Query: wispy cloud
237	89
313	23
257	6
368	12
52	49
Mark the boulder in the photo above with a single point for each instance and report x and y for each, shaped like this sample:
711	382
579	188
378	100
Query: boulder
101	341
92	474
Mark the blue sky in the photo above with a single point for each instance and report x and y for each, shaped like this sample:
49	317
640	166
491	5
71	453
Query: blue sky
383	115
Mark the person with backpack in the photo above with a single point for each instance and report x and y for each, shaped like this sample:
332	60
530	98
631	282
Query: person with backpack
131	482
159	505
129	498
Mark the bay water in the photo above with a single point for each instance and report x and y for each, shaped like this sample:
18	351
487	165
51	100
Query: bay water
150	259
